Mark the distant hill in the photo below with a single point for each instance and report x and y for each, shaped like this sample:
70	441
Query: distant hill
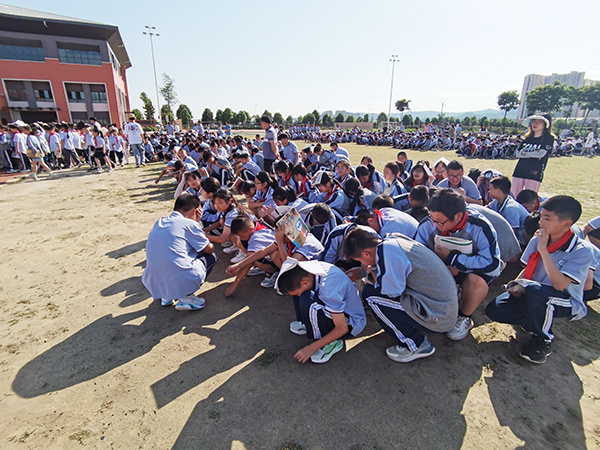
489	113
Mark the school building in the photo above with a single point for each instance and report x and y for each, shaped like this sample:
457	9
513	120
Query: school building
57	68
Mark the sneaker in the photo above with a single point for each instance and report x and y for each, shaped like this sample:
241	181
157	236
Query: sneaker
232	250
324	354
461	328
255	271
269	280
402	354
239	257
166	302
110	170
100	170
298	328
226	244
536	350
190	303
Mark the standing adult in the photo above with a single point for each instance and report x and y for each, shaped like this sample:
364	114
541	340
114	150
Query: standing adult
589	143
269	144
289	150
134	132
533	154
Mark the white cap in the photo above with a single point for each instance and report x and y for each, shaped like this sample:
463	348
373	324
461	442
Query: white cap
313	267
527	122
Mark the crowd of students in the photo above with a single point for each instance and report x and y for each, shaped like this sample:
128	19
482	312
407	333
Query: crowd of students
422	241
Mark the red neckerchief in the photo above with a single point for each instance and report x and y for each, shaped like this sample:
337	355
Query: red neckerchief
537	203
335	187
380	217
290	247
259	226
439	177
302	187
459	226
534	258
287	178
417	183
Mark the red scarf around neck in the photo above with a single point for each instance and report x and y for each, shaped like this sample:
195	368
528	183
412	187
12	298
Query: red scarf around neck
534	258
459	226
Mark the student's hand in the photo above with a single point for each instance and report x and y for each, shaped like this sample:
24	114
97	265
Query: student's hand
304	354
232	270
230	291
515	289
453	270
198	214
279	232
222	222
442	252
543	237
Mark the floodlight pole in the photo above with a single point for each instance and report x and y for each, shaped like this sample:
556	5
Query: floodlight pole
393	60
150	33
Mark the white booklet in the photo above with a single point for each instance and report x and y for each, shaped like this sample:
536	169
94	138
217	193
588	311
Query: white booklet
460	245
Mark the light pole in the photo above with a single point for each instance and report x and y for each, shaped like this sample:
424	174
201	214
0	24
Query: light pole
151	33
393	60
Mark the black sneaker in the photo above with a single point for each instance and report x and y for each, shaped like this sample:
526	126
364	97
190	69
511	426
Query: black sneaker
536	350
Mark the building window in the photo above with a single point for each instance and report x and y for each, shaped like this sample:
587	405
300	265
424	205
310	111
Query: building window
43	92
115	62
21	49
98	93
79	54
16	91
75	93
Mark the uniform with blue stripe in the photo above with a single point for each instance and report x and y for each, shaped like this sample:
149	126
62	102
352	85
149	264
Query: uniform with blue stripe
514	213
333	249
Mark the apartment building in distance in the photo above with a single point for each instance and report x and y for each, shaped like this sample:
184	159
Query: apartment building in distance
58	68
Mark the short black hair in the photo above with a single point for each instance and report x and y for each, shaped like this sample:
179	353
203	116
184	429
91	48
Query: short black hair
564	206
240	223
527	196
419	193
358	240
210	185
290	280
178	165
448	202
321	213
382	201
393	167
361	171
419	212
502	183
266	119
455	165
186	202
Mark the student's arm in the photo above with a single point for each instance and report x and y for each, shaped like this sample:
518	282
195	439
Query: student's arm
559	280
589	282
209	249
240	276
221	239
180	187
249	260
339	330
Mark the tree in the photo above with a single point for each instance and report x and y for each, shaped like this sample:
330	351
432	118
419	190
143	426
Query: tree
427	120
219	116
289	120
185	114
242	117
507	101
589	99
350	118
407	120
572	96
278	118
327	120
138	114
402	105
267	113
548	98
484	121
167	90
317	115
418	122
227	115
339	118
308	119
166	113
207	115
299	119
381	118
148	106
366	118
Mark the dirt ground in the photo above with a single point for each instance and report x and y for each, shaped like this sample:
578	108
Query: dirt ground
88	358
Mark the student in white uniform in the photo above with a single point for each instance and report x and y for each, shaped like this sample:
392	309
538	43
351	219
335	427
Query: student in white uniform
179	256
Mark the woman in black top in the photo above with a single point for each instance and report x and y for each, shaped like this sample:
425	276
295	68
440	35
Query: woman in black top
533	154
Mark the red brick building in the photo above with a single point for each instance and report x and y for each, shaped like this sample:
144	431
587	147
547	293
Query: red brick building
57	68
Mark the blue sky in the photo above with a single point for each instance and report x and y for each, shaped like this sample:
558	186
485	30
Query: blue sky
293	57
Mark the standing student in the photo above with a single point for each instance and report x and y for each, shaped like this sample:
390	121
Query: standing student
134	132
116	147
179	257
404	301
533	154
328	303
475	267
289	150
34	152
269	144
552	284
100	150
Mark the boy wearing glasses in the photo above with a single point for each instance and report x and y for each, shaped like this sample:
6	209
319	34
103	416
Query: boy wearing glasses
461	184
476	265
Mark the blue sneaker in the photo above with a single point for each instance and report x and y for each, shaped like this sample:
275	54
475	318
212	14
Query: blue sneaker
190	303
324	354
166	302
402	354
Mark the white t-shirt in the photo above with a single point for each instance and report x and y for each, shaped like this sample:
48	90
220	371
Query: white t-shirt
134	132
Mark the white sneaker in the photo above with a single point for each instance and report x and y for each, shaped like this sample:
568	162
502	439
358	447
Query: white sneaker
110	170
231	250
190	303
298	328
166	302
324	354
269	280
239	257
255	271
461	328
402	354
226	244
